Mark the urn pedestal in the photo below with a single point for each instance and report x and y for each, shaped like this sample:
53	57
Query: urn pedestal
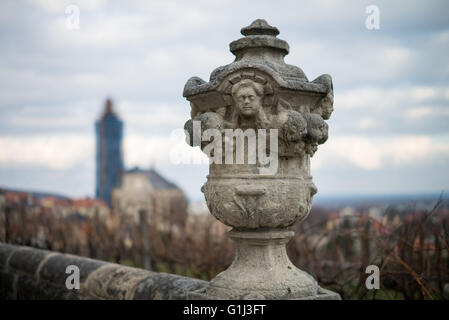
261	270
259	121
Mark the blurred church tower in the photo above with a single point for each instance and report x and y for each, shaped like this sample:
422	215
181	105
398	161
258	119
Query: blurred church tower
109	160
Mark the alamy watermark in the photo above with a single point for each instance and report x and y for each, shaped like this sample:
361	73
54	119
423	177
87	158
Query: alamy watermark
373	280
72	21
372	21
72	282
229	147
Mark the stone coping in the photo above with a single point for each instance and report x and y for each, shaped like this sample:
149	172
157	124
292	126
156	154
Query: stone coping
33	274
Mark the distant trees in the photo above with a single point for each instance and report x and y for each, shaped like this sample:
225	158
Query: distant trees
412	253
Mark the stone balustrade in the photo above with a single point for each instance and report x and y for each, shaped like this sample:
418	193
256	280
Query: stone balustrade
33	274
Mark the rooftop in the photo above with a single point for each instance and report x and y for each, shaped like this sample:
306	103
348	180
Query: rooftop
155	179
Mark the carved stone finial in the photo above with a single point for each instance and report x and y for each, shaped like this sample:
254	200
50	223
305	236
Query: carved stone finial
259	27
257	35
262	186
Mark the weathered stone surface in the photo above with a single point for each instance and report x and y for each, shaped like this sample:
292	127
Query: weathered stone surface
6	251
26	260
166	287
7	291
272	275
114	282
259	27
28	288
256	96
34	274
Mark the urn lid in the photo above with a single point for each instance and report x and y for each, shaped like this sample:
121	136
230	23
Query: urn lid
259	50
259	34
259	27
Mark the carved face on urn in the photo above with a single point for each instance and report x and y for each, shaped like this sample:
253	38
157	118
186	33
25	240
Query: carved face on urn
248	103
248	98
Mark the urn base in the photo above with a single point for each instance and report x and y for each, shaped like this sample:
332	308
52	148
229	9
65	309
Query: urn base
262	270
322	294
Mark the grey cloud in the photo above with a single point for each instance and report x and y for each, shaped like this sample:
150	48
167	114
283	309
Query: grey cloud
54	80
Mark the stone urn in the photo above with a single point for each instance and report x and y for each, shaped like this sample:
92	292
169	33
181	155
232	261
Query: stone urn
259	120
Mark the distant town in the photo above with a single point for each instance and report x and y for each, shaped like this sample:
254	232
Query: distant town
139	218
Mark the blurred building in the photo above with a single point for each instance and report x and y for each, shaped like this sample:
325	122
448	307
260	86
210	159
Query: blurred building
163	202
134	194
91	209
109	161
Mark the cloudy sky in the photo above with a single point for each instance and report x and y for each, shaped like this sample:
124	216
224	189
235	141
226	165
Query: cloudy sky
389	132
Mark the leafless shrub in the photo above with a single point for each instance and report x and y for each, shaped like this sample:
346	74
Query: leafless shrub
412	253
